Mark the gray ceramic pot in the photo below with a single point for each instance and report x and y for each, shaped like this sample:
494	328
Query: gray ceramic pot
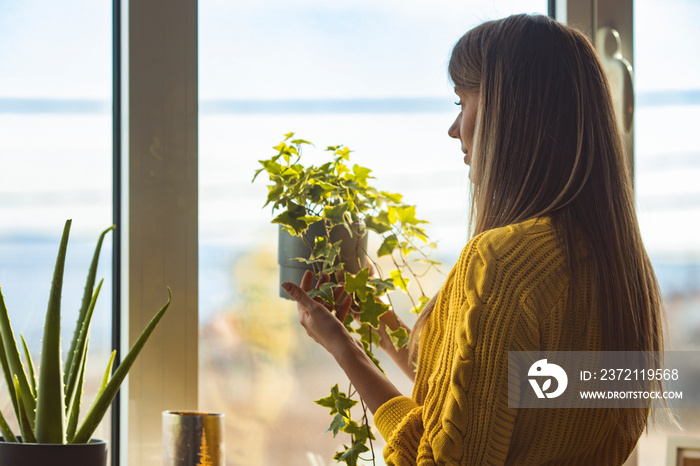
353	250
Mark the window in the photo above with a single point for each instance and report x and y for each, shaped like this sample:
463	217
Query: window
667	84
56	153
368	75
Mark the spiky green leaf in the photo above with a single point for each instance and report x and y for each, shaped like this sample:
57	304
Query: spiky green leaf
7	434
12	365
25	425
101	404
81	349
74	403
50	404
30	366
85	305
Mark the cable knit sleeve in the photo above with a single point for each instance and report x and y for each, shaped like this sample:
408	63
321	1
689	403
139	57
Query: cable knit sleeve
459	411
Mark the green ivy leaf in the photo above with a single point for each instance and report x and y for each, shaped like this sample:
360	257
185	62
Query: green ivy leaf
406	248
358	283
423	300
407	215
371	310
399	280
335	214
337	423
399	337
292	225
338	402
274	193
325	291
310	219
289	172
290	219
371	356
351	454
393	197
360	432
379	224
418	232
388	246
349	320
368	335
360	174
343	153
327	402
428	261
299	141
382	286
272	167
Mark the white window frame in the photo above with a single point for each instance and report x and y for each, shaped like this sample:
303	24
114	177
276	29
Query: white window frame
158	221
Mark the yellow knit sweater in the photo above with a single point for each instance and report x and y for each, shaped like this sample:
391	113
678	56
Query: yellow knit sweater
508	291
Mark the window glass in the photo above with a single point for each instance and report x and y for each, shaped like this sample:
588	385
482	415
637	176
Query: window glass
56	158
368	75
667	84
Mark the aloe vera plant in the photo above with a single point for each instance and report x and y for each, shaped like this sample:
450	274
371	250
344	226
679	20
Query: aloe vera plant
48	409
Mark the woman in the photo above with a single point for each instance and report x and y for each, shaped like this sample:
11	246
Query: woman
556	263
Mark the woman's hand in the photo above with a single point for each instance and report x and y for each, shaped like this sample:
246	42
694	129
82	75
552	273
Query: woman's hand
325	327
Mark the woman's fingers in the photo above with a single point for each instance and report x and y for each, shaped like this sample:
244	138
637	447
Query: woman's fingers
299	295
338	292
343	307
307	280
324	278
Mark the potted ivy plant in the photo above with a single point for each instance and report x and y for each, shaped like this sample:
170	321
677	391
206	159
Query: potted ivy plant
47	404
328	208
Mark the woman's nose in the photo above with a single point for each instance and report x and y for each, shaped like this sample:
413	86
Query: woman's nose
453	132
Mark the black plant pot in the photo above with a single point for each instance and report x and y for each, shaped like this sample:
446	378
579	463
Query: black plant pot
353	250
44	454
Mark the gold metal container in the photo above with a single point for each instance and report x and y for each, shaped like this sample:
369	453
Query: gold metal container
192	438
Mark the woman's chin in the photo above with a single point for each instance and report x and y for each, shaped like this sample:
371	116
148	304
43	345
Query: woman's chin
467	159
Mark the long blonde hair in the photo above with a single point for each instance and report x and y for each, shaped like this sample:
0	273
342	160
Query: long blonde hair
547	143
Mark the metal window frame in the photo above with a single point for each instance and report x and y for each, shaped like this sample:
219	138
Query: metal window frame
591	15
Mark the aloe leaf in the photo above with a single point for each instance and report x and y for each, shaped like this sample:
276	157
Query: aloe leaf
7	434
50	404
87	299
108	372
81	349
30	366
24	424
14	366
74	409
6	367
101	404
